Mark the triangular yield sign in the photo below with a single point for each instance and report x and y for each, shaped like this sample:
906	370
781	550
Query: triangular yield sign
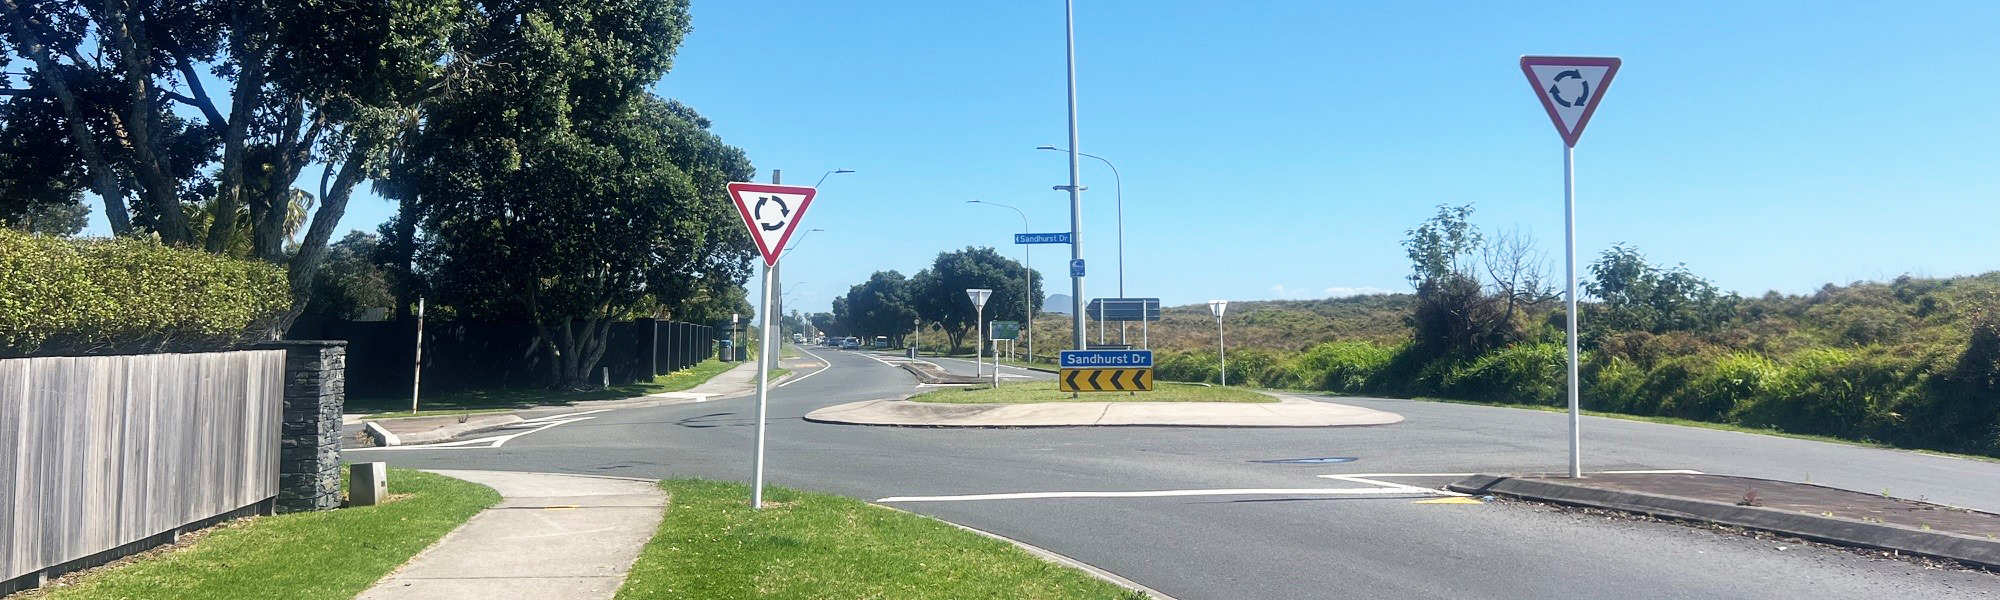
1570	88
772	212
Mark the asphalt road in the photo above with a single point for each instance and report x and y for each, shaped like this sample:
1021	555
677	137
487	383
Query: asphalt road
1277	543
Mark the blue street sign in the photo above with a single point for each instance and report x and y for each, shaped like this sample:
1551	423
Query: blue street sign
1041	238
1108	359
1076	267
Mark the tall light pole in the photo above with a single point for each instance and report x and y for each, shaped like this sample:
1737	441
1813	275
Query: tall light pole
778	272
1027	260
1075	187
822	178
1118	182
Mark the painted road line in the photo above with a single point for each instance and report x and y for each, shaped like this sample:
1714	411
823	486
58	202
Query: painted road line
1400	490
1656	472
1408	488
1449	500
564	416
474	444
823	369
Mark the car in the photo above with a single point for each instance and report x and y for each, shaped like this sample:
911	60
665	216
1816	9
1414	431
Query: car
850	344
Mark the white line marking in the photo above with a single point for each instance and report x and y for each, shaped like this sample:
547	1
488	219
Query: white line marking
1340	475
1172	493
827	365
481	443
1658	472
565	416
1388	485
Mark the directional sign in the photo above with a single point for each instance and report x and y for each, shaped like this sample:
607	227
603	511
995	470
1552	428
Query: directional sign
1084	359
1107	380
1006	330
1076	267
1124	309
1041	238
772	212
1570	88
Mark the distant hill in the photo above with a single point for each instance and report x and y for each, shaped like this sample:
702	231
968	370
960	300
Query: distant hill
1056	304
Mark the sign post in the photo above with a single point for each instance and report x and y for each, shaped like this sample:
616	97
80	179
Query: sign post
1570	88
772	213
1221	349
979	296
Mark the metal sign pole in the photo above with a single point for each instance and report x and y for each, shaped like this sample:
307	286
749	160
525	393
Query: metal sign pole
417	376
1569	259
763	389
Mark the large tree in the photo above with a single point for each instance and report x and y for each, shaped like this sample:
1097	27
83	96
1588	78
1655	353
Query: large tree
938	293
881	306
109	83
556	190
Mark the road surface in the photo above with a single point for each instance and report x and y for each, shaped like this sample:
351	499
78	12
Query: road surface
1188	528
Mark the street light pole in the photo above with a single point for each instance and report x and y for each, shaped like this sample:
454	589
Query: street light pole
1028	261
1118	184
1075	186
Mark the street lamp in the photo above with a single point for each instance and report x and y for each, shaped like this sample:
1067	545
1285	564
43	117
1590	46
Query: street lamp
1118	181
1221	349
822	178
1027	260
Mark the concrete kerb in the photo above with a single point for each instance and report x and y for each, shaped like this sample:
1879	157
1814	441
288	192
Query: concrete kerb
1835	530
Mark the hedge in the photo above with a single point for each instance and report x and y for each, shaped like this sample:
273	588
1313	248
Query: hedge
60	296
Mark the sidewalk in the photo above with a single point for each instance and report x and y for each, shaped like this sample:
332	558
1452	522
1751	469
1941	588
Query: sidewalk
738	381
556	537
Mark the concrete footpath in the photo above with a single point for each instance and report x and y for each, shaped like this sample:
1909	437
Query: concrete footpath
553	537
1288	411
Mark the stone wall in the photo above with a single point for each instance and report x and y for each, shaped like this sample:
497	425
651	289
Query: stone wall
309	440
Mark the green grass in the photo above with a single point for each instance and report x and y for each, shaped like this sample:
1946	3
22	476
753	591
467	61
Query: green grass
808	546
1705	425
474	401
301	556
1045	391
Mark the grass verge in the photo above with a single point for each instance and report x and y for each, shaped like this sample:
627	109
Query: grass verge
1045	391
475	401
805	546
301	556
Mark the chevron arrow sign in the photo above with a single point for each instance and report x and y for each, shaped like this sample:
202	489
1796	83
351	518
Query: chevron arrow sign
1106	380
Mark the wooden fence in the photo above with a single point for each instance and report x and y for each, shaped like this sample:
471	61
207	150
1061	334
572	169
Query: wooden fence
103	452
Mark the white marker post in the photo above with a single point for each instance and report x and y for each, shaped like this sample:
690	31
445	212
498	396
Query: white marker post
1221	349
772	213
1570	88
979	296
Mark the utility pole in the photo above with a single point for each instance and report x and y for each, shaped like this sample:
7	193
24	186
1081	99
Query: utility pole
1075	187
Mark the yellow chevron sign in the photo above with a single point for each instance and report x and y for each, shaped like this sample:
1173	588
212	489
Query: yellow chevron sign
1106	380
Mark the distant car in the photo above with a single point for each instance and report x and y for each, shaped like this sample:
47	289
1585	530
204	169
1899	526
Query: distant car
881	341
850	344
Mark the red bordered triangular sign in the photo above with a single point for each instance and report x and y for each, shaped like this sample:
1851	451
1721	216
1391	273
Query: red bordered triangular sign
1570	88
772	212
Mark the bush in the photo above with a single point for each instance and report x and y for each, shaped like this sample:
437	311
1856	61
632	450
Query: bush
1833	392
60	296
1611	385
1341	366
1719	385
1525	373
1184	366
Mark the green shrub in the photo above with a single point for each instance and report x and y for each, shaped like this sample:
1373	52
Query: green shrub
1341	366
1612	384
127	295
1718	385
1524	373
1184	366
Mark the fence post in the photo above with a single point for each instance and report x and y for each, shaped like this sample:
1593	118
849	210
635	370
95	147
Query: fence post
309	439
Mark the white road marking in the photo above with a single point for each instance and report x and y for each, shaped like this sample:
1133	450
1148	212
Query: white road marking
1660	472
1392	486
478	444
565	416
824	366
1399	490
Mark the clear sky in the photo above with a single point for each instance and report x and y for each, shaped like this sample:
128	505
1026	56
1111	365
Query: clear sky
1281	148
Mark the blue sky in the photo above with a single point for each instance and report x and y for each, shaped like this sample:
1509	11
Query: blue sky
1281	148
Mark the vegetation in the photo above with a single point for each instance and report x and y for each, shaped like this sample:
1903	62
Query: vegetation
1914	362
129	295
491	400
805	545
328	554
1046	391
890	305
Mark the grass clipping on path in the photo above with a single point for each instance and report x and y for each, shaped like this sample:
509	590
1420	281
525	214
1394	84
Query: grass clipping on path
1045	391
332	554
807	546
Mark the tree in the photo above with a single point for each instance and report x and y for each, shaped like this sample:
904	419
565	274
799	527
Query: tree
939	291
827	324
311	81
1638	296
557	191
881	306
1519	272
350	284
1453	313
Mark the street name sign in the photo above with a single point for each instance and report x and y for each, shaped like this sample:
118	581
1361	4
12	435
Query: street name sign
1124	309
1085	359
1041	238
772	212
1107	380
1570	88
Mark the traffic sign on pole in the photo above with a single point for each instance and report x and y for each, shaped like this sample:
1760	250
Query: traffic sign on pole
1076	267
1570	88
772	212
